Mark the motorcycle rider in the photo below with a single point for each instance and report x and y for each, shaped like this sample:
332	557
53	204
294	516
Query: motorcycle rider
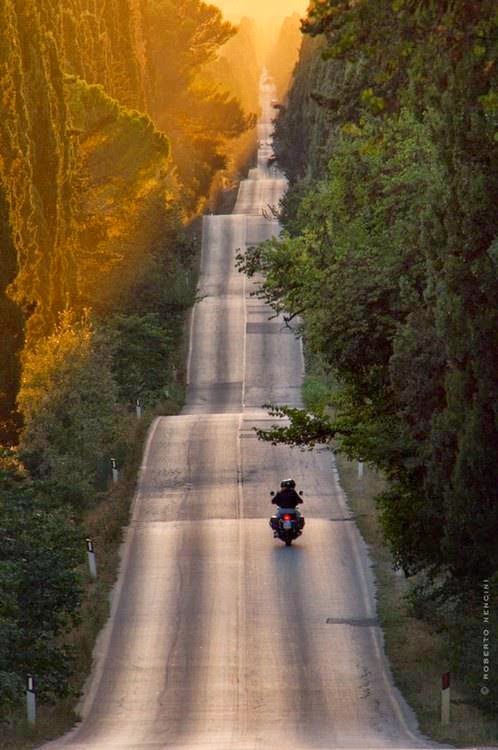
287	499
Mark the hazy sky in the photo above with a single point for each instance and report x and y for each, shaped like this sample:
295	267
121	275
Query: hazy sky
260	9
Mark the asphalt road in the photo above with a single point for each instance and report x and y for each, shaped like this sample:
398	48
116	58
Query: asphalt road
220	637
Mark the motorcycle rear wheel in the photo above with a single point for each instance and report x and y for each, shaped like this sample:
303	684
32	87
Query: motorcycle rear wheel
288	542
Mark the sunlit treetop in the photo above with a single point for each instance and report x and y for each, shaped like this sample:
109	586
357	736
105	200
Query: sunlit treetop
262	10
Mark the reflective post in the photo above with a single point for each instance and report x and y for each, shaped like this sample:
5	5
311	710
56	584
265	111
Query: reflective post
360	469
92	561
31	699
115	474
138	409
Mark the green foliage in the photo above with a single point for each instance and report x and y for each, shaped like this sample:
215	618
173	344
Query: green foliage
316	394
305	429
40	589
68	398
304	129
471	633
141	356
390	258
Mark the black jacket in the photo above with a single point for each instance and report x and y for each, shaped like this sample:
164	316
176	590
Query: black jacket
287	498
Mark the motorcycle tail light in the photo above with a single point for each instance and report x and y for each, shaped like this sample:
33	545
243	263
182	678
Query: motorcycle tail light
287	517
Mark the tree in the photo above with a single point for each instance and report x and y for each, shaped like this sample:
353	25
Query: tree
69	401
284	54
196	112
141	356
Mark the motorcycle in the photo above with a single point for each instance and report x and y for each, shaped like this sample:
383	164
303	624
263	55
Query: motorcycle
287	525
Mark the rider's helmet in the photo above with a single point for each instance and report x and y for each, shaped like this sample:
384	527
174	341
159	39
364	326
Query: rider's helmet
287	484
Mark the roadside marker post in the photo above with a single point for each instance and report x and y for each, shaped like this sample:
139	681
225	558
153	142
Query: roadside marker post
115	473
360	469
138	409
31	699
92	561
445	698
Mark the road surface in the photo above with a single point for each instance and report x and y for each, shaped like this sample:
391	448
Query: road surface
220	637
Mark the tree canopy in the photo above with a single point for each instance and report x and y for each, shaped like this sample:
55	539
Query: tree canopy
114	124
390	257
109	119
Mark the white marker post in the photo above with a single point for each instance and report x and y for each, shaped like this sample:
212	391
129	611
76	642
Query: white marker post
138	409
31	699
92	561
445	698
360	469
115	473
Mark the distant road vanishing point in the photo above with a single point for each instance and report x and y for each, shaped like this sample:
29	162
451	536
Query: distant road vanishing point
221	638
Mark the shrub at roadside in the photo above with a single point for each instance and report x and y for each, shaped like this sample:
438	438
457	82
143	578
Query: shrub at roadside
69	400
141	356
41	549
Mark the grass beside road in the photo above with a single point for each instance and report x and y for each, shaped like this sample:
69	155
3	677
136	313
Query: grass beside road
417	654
